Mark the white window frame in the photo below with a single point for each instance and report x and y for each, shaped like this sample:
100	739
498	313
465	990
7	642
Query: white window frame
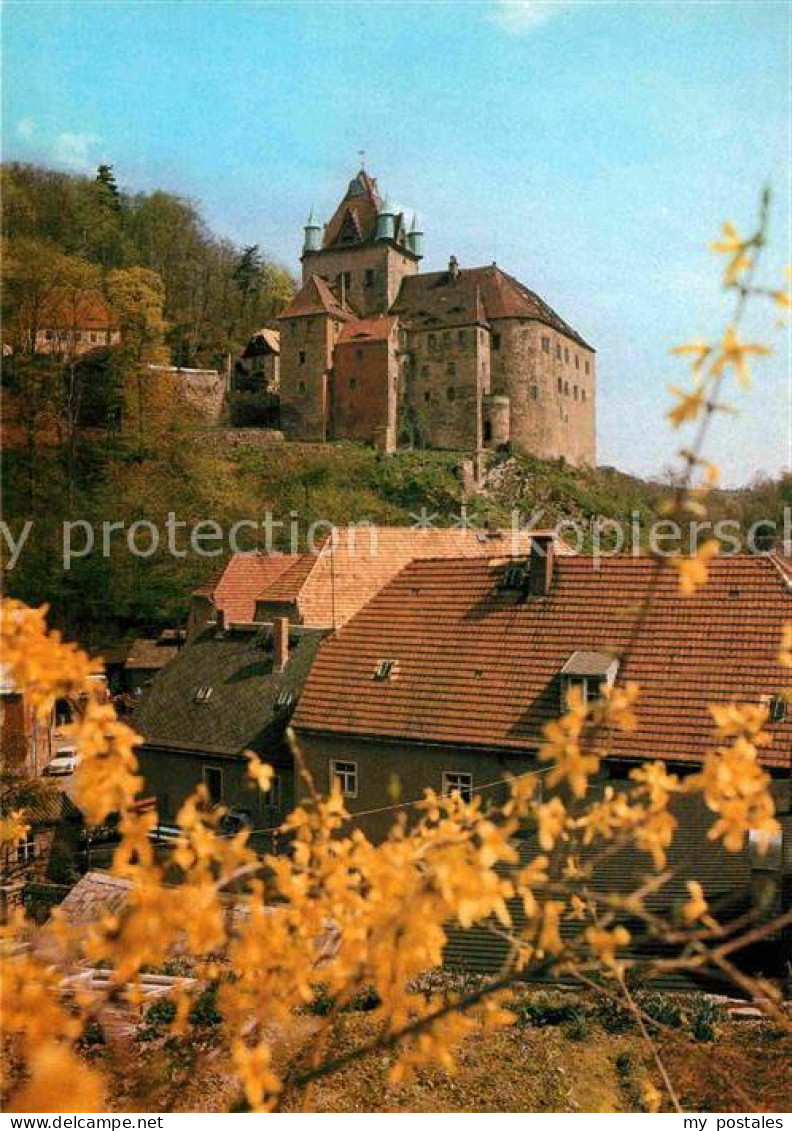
457	785
772	860
26	849
342	776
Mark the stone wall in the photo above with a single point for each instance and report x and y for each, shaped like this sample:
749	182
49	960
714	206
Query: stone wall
374	273
364	392
551	382
448	378
306	360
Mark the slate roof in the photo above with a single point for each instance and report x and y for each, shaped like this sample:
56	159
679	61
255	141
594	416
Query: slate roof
47	805
241	713
476	294
149	654
479	664
95	894
317	297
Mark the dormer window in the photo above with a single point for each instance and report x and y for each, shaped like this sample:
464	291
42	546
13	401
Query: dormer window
589	673
203	694
515	577
284	704
776	708
385	670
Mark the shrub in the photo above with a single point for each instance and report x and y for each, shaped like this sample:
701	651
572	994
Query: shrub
548	1008
662	1008
91	1036
578	1027
707	1014
613	1016
205	1012
156	1019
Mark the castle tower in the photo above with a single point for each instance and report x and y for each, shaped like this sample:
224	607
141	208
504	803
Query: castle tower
366	250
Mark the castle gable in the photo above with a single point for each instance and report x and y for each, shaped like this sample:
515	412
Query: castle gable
317	297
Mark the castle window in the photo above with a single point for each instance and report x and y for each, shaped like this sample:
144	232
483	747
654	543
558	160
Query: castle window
534	393
558	350
566	388
496	341
352	384
487	431
451	393
587	367
426	371
546	344
359	354
302	357
347	277
427	396
566	356
369	278
460	337
582	394
447	338
301	386
451	369
432	341
560	385
577	362
575	392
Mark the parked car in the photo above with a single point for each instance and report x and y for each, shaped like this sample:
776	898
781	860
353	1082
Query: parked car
64	762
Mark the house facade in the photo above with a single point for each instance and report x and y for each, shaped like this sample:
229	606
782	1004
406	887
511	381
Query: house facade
464	358
447	677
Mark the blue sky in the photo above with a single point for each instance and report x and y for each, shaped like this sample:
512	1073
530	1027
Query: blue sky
592	149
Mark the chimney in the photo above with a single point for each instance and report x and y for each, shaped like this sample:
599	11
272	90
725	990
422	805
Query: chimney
219	622
453	268
280	643
540	564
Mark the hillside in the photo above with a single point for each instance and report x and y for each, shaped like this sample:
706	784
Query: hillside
226	475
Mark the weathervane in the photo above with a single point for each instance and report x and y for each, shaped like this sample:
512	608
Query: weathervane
362	156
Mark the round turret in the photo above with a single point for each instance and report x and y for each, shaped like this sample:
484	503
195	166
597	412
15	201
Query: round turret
386	222
313	235
415	238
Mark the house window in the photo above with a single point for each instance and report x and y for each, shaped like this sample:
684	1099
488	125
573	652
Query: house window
284	704
447	338
302	357
48	335
352	384
460	337
301	386
427	396
456	782
213	780
546	344
590	687
426	371
451	369
384	669
78	336
369	278
344	775
451	393
271	799
496	341
776	708
26	849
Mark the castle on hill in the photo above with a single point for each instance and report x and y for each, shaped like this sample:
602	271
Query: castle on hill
373	350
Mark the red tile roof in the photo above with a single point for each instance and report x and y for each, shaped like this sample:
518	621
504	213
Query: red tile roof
234	589
317	297
367	330
476	294
358	562
62	309
357	212
479	665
